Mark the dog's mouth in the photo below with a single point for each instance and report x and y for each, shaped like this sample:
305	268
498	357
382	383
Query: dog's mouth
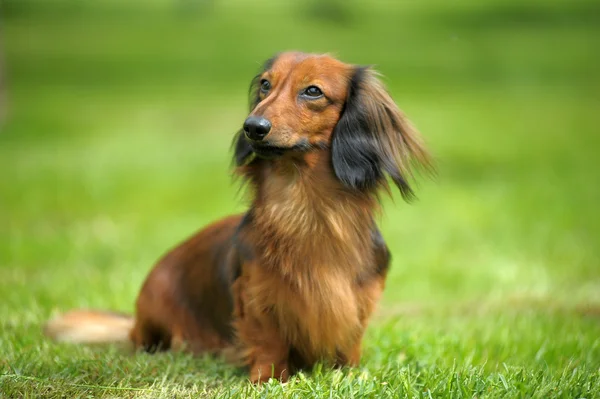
268	151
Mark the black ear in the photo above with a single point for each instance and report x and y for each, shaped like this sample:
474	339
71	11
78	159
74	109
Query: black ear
354	148
373	138
242	152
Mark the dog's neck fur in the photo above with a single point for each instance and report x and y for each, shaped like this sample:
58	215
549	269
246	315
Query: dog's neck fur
306	218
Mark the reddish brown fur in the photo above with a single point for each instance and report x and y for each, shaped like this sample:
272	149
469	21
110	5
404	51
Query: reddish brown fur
296	279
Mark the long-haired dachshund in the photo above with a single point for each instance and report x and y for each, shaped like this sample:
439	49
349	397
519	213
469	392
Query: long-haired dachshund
295	279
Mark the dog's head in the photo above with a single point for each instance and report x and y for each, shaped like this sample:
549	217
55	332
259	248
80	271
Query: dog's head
304	102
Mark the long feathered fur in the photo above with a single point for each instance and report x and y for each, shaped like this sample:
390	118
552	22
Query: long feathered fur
90	327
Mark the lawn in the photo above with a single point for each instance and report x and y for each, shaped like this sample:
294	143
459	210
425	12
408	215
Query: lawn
116	148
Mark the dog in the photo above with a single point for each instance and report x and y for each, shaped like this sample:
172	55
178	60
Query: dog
295	279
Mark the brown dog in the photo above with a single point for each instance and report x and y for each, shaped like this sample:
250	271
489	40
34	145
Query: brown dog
295	279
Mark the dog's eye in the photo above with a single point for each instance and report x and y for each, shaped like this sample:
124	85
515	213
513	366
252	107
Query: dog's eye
312	92
265	86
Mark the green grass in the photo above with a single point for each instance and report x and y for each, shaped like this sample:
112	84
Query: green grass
117	148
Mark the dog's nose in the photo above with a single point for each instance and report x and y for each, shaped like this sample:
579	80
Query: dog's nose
257	127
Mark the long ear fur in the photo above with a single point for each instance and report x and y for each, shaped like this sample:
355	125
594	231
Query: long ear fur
242	153
374	138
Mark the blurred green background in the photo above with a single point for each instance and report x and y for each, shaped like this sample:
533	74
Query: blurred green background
118	117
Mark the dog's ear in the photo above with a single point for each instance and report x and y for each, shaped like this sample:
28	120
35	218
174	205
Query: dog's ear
242	152
374	138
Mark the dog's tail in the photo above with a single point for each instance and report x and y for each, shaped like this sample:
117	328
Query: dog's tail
90	327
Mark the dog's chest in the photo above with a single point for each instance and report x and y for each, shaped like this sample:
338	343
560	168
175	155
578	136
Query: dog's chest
316	310
313	256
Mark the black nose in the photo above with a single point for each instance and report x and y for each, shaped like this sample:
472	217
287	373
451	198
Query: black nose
257	127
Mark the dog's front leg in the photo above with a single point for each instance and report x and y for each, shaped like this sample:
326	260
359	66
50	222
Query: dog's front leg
269	357
263	349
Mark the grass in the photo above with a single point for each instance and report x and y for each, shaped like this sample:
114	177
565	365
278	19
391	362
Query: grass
117	148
